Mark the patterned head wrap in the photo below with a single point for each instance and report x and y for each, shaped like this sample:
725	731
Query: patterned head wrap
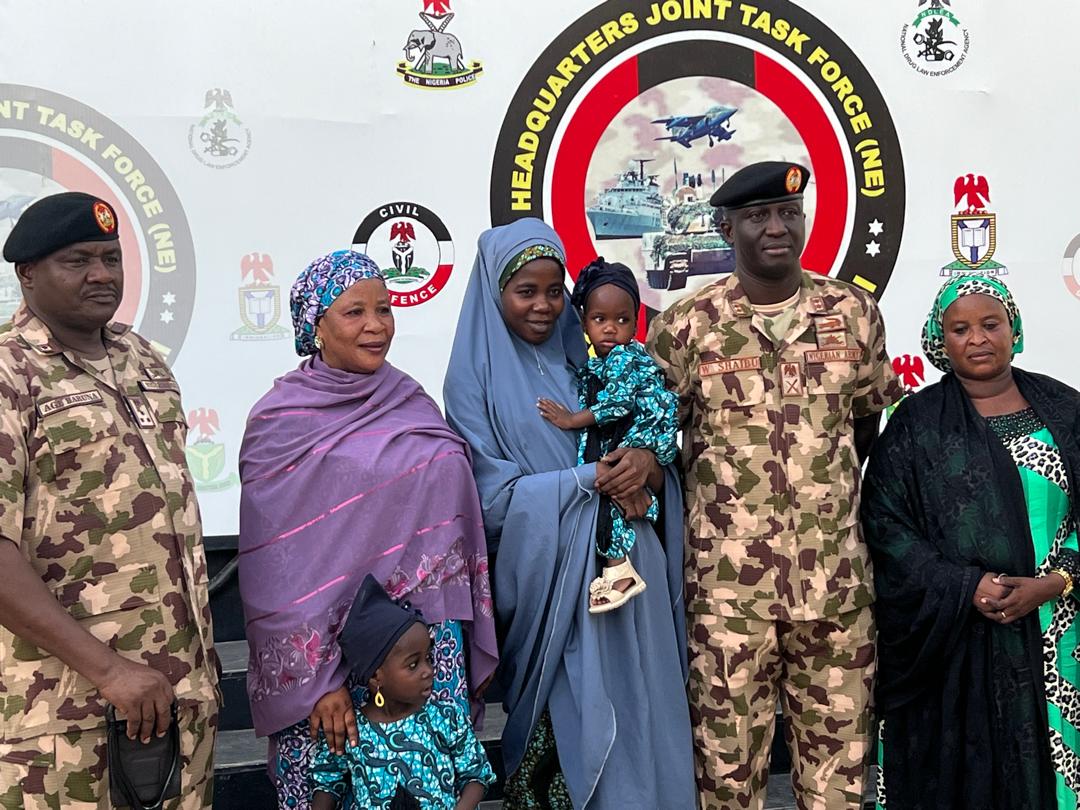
596	275
529	254
933	334
319	285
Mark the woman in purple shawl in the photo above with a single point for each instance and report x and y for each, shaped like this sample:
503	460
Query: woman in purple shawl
348	468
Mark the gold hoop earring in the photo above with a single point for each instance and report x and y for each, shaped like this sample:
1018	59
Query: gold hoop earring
318	343
380	701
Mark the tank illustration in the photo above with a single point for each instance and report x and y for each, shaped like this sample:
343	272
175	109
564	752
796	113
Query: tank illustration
690	243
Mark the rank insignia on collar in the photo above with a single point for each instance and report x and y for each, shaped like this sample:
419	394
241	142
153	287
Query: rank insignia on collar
817	305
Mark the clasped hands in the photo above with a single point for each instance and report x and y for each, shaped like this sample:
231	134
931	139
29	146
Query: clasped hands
623	474
1004	599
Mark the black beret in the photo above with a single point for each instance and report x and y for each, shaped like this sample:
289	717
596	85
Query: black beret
57	221
767	182
372	628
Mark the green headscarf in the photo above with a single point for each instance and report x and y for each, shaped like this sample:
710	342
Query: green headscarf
529	254
933	334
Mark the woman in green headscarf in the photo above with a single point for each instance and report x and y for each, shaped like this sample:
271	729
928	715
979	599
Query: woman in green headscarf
970	511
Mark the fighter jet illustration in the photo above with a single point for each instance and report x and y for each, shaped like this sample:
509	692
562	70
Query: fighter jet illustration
685	129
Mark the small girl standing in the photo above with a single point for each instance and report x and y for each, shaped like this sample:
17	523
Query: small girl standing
412	752
624	403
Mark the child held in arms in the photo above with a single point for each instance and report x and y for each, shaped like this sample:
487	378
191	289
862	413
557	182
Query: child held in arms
624	403
413	752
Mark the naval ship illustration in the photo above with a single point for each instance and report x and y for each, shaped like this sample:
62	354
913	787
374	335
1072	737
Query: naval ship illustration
690	243
629	208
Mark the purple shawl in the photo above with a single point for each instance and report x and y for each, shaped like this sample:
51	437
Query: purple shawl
344	475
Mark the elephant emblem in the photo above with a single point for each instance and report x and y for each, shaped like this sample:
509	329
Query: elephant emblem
422	48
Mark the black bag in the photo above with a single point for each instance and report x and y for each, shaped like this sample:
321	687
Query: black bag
403	800
142	775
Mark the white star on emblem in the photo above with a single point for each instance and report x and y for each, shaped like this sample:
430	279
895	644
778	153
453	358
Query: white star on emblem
166	316
168	299
876	228
872	248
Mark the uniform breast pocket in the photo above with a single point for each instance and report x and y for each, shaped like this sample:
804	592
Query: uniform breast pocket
734	395
79	438
164	399
831	387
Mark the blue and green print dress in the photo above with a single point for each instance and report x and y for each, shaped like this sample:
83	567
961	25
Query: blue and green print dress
629	399
433	754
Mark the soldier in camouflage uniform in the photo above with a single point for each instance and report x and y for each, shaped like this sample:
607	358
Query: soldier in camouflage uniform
781	376
104	596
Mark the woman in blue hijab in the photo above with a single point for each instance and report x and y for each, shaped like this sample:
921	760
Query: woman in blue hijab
597	716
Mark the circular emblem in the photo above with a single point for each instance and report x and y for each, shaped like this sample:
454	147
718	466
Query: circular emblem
1070	267
219	139
934	42
104	217
50	143
628	121
412	247
793	179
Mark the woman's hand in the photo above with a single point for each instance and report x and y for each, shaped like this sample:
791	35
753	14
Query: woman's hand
632	468
335	715
1025	595
987	590
635	505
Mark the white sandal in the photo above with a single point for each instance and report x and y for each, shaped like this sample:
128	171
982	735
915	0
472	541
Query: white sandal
603	587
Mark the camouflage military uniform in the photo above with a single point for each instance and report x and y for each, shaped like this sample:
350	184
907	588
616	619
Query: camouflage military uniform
94	490
778	581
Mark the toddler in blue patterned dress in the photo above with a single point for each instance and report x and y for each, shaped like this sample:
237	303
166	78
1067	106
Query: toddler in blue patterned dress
624	402
414	752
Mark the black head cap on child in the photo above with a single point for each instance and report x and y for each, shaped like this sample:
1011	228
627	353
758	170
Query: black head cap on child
372	628
596	275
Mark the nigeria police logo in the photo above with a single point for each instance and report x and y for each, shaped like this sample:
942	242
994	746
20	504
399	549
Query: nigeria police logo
934	42
219	139
411	246
50	143
633	116
434	57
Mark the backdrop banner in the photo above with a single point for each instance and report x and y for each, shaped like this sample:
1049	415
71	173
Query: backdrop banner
238	141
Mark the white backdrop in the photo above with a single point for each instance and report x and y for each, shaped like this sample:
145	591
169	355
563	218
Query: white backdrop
326	131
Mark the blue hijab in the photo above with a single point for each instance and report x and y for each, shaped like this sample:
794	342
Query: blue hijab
613	683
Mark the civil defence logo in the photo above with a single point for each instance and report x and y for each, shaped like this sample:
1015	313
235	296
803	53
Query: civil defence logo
663	86
412	247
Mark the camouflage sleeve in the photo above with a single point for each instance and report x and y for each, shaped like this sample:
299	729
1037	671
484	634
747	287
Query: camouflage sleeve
877	386
13	460
667	342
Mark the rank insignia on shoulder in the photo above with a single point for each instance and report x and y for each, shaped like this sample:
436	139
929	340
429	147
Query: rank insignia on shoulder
140	411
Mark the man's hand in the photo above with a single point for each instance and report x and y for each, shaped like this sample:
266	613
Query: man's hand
335	715
1025	595
632	468
141	695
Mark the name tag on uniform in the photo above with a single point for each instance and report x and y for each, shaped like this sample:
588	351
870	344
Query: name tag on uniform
729	365
791	379
159	385
68	401
834	356
140	410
